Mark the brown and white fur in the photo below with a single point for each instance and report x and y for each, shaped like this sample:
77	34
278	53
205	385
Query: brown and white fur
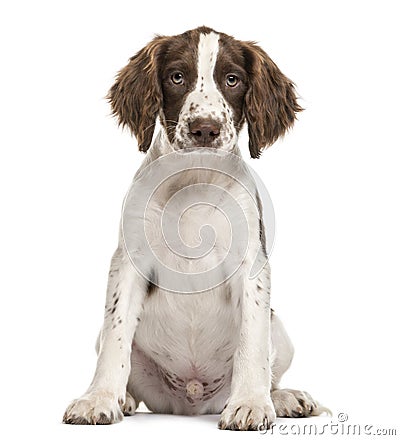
223	350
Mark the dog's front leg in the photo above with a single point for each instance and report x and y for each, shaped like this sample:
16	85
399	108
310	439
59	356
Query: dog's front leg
101	404
250	404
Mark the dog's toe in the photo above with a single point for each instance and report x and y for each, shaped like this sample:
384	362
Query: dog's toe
294	403
130	405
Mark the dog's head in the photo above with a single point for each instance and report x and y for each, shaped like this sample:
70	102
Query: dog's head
204	85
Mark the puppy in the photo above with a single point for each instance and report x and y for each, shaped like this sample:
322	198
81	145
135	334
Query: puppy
188	327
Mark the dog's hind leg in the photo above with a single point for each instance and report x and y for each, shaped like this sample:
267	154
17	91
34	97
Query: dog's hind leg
282	350
288	402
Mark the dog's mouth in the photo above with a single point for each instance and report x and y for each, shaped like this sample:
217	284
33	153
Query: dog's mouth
185	143
200	146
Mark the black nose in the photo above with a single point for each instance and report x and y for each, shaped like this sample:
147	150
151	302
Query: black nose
204	131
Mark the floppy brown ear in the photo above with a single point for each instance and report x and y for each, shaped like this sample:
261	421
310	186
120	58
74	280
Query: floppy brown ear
136	96
270	103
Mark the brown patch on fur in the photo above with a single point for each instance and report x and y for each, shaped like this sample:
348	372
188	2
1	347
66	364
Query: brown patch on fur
181	57
263	239
230	60
151	288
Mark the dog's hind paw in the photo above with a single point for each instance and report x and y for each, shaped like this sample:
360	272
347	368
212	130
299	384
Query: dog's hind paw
294	403
129	406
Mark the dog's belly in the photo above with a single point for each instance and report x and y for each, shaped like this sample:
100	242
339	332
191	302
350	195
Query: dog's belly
183	350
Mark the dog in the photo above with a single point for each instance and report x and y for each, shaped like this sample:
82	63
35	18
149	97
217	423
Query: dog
183	332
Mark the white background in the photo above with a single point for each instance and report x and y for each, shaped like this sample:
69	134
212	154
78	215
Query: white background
334	181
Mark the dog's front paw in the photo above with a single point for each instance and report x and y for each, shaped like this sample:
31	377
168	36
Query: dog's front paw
94	408
247	415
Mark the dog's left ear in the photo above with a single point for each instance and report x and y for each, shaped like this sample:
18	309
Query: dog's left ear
270	103
136	96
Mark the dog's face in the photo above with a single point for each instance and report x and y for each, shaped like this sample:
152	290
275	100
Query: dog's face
204	85
203	91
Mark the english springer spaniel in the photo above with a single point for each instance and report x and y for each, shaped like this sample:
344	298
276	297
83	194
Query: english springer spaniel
188	327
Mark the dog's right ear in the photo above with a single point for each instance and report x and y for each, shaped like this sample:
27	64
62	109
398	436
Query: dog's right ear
136	96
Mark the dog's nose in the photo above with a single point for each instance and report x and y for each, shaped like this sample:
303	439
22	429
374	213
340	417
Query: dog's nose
204	131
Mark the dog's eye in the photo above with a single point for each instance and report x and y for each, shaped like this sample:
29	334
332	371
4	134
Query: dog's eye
177	78
232	80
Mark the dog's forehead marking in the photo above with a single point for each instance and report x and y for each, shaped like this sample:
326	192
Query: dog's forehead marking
206	100
207	58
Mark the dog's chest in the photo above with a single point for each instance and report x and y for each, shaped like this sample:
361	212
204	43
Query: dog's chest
197	222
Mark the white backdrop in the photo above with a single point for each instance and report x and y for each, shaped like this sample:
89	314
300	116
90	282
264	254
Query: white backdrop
334	181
